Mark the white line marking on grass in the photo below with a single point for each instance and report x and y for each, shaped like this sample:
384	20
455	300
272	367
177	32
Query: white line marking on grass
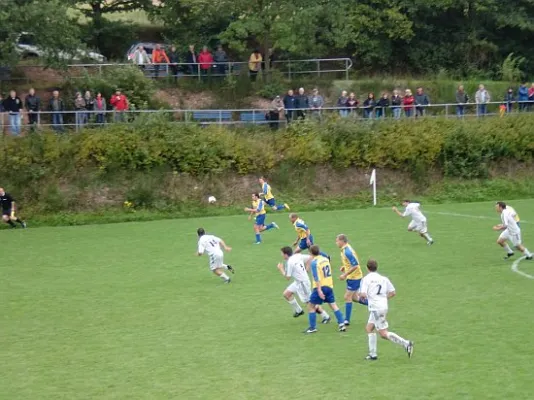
466	215
515	268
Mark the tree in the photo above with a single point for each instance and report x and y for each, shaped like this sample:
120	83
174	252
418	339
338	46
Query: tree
96	10
47	20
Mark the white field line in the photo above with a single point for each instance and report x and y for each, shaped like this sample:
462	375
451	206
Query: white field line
515	268
467	216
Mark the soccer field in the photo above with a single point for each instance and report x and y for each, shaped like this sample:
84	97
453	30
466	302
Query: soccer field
127	311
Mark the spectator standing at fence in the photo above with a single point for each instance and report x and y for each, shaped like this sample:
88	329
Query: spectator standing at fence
221	60
522	96
277	106
205	60
482	98
32	103
316	104
461	100
191	60
530	97
352	103
2	110
396	103
254	64
342	104
290	105
159	56
140	57
302	104
99	108
174	60
80	109
382	105
57	108
369	106
509	100
89	105
120	105
13	106
422	101
408	103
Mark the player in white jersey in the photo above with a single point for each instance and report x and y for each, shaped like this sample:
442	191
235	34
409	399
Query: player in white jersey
377	289
511	232
418	222
212	246
296	267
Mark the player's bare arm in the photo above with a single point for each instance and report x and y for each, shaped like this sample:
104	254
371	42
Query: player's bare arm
396	210
224	246
391	294
282	270
499	227
347	273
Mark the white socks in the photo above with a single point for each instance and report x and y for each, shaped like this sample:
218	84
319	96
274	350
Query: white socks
372	344
427	237
325	315
225	266
296	307
507	249
393	337
224	277
527	253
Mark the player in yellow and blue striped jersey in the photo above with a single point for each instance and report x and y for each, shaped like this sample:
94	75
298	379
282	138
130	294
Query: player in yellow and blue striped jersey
259	213
304	237
323	290
267	194
351	273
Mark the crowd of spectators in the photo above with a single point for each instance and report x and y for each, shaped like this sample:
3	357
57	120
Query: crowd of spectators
91	108
88	107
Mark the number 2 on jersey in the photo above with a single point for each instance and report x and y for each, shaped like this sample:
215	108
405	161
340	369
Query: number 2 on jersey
379	289
326	271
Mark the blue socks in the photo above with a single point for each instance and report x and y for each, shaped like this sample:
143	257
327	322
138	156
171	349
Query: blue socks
312	317
270	226
339	316
258	238
280	207
363	302
348	311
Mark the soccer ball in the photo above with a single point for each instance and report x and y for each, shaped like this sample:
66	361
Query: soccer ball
212	199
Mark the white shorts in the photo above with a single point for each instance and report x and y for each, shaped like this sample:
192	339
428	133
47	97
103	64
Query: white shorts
216	261
514	239
302	289
417	226
378	319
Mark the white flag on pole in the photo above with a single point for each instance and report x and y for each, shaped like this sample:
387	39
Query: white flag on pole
373	177
372	181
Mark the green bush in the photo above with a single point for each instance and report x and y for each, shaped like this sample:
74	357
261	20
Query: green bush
158	165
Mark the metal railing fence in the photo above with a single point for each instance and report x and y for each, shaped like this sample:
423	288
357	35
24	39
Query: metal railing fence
80	119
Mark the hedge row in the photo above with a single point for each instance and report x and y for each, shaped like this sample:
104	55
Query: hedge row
465	149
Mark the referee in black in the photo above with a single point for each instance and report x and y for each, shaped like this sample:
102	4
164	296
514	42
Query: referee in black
8	210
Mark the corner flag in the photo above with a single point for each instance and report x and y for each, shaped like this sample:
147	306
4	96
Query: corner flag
372	181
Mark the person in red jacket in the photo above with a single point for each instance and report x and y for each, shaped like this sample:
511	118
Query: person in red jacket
205	59
408	103
119	102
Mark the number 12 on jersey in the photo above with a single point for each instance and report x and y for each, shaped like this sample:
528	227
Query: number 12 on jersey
326	271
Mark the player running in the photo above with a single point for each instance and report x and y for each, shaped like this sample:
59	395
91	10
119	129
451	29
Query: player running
304	237
323	290
8	210
510	231
377	289
268	196
212	246
351	273
258	209
418	222
515	214
295	267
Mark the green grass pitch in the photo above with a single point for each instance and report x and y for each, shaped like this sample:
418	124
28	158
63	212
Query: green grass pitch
127	311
